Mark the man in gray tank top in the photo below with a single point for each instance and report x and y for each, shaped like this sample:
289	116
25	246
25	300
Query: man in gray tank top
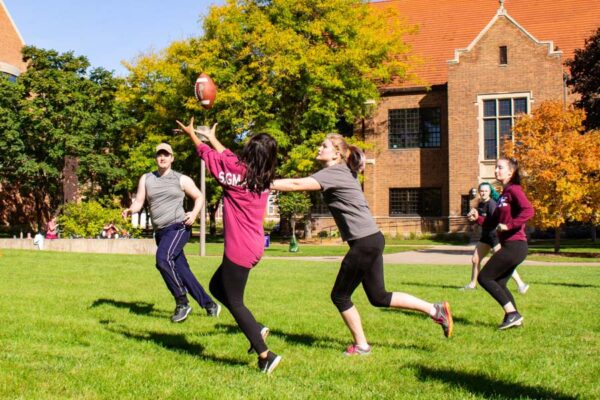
165	190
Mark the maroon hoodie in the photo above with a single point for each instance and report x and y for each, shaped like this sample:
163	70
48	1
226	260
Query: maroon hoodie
513	210
243	211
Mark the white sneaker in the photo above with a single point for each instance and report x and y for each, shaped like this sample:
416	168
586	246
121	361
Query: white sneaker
523	289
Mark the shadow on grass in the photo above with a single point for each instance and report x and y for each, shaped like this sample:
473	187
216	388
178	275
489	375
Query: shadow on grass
136	307
566	284
175	342
457	319
482	385
308	340
430	285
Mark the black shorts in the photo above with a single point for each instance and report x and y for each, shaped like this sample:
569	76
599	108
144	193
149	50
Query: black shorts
490	238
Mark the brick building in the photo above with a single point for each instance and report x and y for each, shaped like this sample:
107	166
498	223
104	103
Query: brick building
11	43
484	62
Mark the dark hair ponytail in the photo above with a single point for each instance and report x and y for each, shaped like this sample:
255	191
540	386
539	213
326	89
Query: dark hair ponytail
260	157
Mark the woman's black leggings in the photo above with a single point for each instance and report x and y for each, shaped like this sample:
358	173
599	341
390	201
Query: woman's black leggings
362	264
500	267
227	285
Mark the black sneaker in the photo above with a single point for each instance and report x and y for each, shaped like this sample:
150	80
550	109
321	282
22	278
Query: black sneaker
443	316
264	332
512	319
181	312
213	310
268	365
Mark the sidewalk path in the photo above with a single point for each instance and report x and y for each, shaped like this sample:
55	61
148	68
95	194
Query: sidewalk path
439	255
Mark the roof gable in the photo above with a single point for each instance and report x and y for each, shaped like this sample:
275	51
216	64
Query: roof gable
11	43
448	25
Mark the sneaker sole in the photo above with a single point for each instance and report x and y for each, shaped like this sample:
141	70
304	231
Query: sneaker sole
183	318
218	311
264	332
524	290
273	365
450	321
518	322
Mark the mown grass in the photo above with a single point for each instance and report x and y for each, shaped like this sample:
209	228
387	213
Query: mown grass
85	326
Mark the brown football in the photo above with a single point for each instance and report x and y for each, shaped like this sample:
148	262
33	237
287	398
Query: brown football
205	91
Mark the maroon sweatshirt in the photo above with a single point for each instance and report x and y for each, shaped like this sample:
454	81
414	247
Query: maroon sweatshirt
513	210
243	211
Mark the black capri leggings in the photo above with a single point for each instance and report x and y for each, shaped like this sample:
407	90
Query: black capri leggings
227	285
362	264
500	267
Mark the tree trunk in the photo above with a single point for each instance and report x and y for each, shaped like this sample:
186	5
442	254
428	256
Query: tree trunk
212	218
557	239
593	233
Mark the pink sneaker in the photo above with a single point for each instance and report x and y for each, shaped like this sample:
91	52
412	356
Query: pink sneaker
356	350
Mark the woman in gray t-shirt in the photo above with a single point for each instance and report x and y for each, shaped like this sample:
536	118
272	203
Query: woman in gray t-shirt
364	261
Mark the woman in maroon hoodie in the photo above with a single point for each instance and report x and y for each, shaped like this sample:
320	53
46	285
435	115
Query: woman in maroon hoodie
245	181
509	219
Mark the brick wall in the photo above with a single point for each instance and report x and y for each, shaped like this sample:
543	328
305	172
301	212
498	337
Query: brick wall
530	69
10	42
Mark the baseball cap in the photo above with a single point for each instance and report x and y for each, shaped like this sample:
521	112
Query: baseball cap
164	146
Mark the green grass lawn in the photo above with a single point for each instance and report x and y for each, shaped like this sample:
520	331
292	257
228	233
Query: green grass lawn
92	326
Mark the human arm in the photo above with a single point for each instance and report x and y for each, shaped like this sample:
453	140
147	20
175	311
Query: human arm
192	191
140	197
295	185
520	202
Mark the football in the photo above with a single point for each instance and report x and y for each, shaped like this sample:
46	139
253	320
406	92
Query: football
205	91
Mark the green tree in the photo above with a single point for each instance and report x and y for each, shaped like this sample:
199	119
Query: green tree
60	110
585	79
293	206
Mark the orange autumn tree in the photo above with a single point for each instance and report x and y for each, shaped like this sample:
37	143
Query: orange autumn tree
560	164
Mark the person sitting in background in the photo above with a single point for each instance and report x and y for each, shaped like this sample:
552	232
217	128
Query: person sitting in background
52	229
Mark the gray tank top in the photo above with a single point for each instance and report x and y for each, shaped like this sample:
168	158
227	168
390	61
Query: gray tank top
165	197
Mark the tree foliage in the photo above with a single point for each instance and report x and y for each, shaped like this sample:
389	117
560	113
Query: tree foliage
289	68
560	163
585	79
59	109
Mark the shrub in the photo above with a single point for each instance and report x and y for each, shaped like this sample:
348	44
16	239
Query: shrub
87	219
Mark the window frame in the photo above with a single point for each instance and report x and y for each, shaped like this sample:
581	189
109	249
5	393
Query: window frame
420	141
482	118
421	202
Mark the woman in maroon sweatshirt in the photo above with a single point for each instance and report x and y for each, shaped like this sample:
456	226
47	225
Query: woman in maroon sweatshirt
245	181
509	219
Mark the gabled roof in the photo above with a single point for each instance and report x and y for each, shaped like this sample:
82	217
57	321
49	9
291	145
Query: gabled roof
446	26
11	43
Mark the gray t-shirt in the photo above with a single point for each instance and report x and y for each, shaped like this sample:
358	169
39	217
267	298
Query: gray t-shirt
165	198
346	201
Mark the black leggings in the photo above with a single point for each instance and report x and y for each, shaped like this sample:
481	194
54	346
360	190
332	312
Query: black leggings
227	285
500	267
362	264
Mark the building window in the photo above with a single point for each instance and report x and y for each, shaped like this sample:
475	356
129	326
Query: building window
319	207
465	204
10	77
503	55
414	127
424	202
498	118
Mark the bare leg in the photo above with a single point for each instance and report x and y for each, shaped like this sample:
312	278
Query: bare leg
352	319
409	302
481	250
518	279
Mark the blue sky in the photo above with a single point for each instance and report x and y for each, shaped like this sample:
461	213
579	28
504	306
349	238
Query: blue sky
107	31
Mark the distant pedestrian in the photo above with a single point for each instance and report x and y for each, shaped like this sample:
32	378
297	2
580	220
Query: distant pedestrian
509	219
363	264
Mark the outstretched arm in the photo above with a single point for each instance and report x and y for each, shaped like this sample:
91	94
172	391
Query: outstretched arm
296	185
208	133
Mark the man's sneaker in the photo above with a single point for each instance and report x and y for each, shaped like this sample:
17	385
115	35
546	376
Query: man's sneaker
512	319
356	350
523	289
181	312
443	316
264	332
213	310
268	365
